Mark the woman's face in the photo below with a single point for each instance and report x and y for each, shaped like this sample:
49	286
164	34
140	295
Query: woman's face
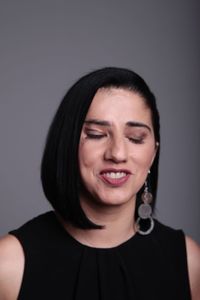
117	147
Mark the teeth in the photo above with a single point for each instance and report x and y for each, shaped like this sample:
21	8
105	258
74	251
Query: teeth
116	175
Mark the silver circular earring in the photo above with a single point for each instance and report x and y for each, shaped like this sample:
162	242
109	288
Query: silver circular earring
145	211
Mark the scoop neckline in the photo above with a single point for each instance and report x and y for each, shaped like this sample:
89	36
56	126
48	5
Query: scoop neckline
85	246
125	243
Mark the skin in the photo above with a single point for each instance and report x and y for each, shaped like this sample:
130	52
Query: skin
106	201
117	135
110	141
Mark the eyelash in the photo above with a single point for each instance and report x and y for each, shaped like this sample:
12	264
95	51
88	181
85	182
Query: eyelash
100	136
136	141
95	136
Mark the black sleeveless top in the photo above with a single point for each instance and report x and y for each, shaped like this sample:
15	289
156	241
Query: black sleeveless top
151	267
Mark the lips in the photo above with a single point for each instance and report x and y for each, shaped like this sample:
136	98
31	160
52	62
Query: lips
114	177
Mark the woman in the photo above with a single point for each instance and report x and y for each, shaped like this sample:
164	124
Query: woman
99	172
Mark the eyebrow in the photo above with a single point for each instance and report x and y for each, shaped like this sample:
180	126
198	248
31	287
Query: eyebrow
105	123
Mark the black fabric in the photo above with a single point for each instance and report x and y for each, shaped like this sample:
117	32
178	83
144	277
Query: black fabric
152	267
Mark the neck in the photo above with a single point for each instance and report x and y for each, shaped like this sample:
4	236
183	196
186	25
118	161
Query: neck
117	221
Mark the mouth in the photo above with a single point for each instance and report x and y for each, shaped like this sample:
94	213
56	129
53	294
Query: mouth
114	177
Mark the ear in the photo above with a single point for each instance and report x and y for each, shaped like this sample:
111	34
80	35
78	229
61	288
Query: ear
154	154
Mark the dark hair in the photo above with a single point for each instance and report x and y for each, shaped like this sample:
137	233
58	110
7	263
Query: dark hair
60	167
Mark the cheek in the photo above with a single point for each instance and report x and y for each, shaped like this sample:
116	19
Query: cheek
144	157
88	156
84	160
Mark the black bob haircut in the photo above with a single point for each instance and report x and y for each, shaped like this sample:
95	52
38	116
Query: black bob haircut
60	168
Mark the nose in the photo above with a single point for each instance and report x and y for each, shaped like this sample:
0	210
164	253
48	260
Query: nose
116	151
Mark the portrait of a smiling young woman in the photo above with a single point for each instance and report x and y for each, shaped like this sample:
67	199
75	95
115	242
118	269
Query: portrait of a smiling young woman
100	173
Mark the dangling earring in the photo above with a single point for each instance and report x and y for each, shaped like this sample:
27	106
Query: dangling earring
145	210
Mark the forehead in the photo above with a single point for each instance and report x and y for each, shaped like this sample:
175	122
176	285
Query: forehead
118	104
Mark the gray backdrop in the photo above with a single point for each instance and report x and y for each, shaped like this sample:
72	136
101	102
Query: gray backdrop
46	45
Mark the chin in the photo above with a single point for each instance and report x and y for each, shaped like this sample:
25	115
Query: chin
113	201
107	198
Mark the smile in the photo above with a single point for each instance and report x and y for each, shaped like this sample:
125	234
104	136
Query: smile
115	178
114	175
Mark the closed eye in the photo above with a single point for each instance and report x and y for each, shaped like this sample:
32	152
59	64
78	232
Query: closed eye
136	140
95	136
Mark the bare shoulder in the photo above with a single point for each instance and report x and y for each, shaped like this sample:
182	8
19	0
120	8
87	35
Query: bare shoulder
193	257
11	267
